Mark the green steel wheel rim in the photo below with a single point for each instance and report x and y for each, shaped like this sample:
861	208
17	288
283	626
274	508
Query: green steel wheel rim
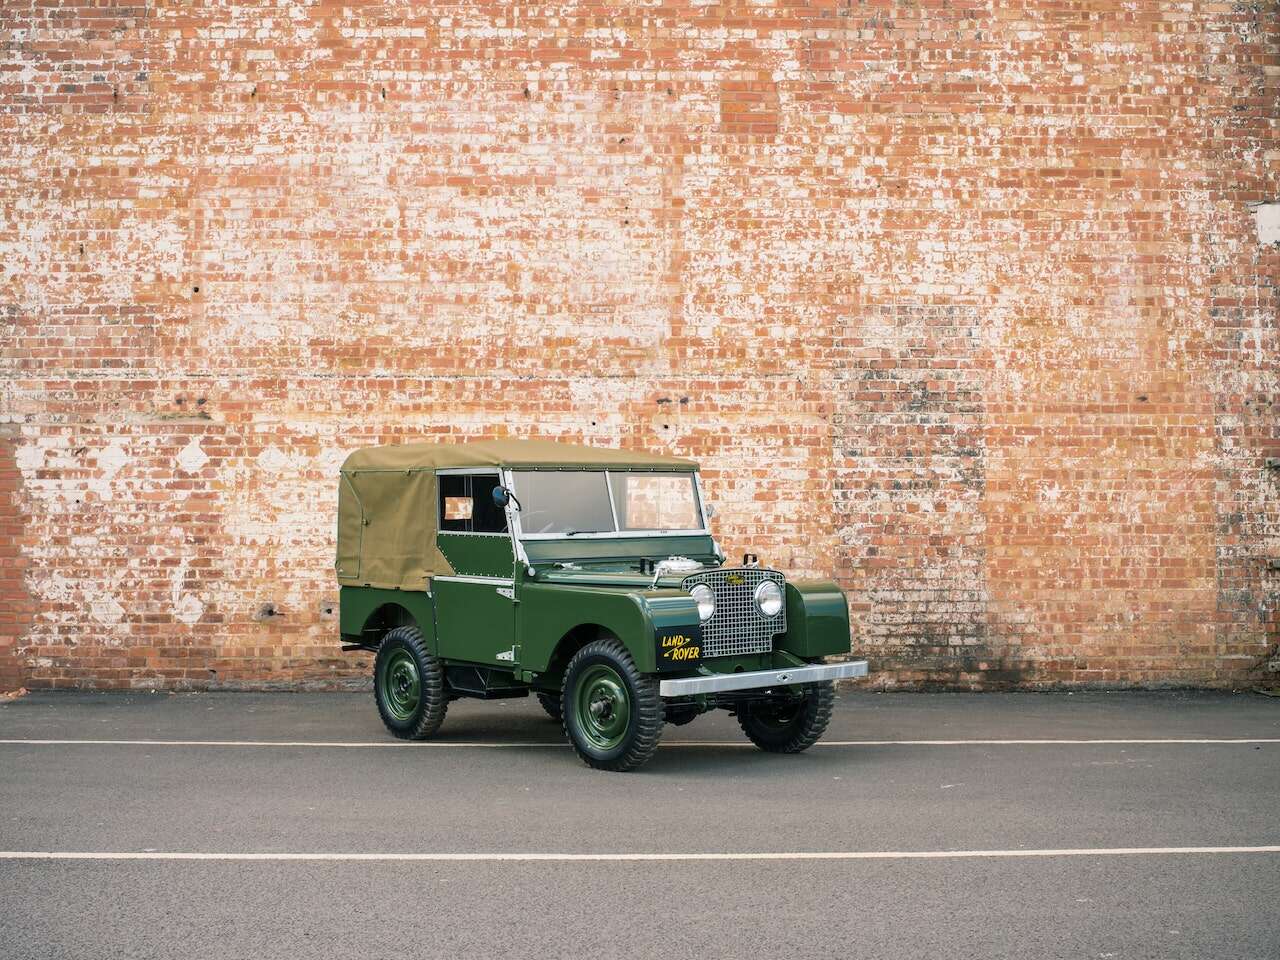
400	685
602	706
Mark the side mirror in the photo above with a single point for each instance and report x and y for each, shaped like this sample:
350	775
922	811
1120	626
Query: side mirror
709	509
502	496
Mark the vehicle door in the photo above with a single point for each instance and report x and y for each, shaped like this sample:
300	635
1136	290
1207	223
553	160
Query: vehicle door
475	606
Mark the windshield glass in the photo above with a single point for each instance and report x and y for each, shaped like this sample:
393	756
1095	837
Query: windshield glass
576	502
655	501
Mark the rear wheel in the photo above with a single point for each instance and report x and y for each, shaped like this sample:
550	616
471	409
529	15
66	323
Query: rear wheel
789	724
408	685
551	703
612	712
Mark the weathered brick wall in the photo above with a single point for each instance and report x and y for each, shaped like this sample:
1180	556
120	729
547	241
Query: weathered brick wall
964	303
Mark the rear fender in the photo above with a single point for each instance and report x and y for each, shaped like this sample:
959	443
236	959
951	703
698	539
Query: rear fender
366	613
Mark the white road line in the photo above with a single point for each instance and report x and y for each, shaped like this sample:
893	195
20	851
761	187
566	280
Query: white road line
526	744
954	743
580	857
283	743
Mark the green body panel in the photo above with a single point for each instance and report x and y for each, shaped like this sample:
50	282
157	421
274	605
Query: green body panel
477	555
475	622
357	605
549	611
817	619
677	635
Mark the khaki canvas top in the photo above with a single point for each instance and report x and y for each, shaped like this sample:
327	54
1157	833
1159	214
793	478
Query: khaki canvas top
387	500
504	453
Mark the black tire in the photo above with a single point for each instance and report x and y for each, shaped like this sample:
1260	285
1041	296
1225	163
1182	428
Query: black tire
551	703
604	667
409	717
789	725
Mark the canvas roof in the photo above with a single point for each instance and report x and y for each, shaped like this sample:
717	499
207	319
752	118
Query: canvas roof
387	501
504	453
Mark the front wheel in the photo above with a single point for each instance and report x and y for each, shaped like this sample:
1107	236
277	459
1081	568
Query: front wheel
789	724
612	712
408	684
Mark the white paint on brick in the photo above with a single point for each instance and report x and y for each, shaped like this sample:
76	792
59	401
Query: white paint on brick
192	458
30	456
106	610
110	462
273	460
1267	216
186	605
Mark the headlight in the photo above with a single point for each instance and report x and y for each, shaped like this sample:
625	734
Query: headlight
706	601
769	598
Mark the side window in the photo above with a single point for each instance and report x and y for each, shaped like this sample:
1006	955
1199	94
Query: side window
466	504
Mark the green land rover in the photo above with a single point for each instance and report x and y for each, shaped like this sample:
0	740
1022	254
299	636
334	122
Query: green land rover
587	576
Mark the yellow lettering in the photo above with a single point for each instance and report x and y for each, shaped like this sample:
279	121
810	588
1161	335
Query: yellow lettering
677	647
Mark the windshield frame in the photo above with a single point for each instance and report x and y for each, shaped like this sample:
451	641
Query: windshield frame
514	525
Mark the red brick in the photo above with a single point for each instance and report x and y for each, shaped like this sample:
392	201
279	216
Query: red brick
963	306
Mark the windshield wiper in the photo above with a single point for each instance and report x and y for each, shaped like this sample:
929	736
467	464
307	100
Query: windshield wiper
574	533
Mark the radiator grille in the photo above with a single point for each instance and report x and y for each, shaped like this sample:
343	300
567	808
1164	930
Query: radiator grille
738	626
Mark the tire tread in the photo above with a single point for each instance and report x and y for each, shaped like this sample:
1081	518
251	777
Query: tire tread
431	676
809	727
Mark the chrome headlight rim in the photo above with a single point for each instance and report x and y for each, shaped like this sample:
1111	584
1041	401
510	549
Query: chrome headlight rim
768	598
705	598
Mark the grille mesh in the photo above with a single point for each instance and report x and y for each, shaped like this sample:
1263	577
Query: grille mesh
737	626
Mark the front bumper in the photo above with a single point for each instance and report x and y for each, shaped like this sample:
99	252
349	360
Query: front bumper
756	679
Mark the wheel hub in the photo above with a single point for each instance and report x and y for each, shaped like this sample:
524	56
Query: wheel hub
602	706
400	685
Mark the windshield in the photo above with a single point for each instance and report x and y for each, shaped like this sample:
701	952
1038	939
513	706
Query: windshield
579	502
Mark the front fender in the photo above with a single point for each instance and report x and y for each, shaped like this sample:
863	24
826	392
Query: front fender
548	612
817	619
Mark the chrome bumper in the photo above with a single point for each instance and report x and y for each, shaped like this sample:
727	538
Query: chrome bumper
716	682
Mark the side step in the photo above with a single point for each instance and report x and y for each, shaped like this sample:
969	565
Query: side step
487	683
353	647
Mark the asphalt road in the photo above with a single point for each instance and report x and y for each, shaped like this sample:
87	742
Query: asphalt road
288	774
